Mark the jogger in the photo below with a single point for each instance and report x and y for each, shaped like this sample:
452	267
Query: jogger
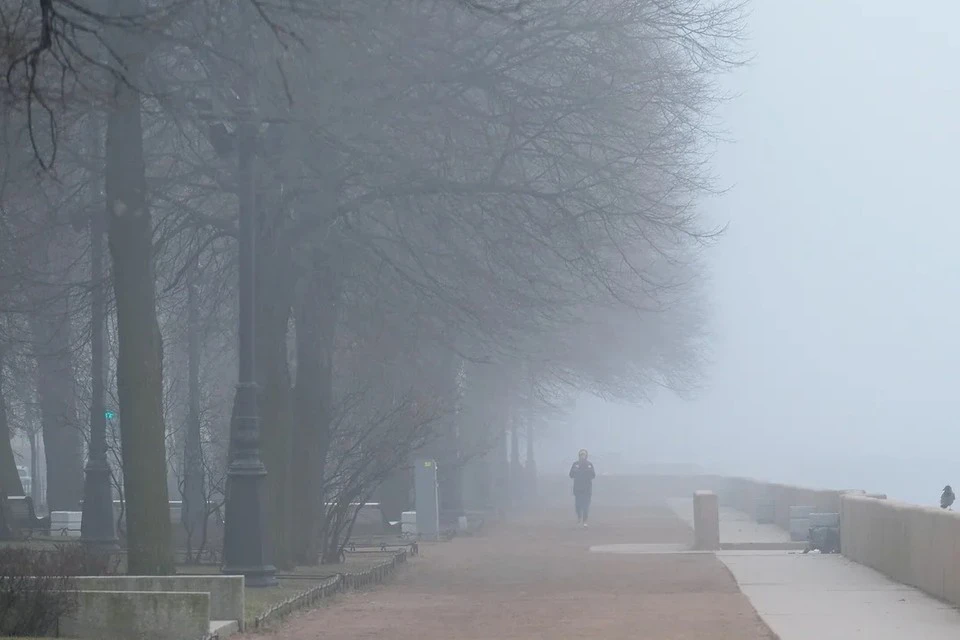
582	473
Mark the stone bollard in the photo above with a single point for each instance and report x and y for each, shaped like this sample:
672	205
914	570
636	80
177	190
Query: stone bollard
706	521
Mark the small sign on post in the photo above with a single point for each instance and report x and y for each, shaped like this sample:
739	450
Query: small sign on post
427	499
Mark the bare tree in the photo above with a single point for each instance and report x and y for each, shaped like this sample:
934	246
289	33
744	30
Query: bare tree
483	205
10	482
140	358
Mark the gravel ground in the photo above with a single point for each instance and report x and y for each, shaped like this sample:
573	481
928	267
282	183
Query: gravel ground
536	578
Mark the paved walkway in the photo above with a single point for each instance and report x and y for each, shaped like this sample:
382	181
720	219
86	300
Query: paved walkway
829	597
538	579
826	597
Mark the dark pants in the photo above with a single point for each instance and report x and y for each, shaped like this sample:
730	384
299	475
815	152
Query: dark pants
582	504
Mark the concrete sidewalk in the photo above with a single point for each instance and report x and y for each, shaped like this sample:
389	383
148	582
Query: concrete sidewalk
827	597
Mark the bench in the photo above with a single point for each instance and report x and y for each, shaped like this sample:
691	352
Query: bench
25	518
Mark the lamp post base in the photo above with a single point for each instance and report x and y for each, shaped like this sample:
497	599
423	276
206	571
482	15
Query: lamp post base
247	548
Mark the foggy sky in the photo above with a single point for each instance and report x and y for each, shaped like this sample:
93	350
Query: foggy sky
836	288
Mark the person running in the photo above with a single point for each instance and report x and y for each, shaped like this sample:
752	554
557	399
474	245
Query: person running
583	474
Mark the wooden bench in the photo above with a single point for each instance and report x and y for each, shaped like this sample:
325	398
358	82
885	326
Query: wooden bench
25	520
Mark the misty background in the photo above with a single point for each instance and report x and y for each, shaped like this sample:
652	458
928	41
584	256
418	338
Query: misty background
834	288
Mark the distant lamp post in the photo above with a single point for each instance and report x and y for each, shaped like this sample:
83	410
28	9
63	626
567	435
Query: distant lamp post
97	525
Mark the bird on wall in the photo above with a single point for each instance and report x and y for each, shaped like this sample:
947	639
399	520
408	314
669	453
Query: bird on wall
947	498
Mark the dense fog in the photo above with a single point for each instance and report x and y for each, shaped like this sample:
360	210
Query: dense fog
834	287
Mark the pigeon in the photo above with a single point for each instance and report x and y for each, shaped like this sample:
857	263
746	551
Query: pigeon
947	498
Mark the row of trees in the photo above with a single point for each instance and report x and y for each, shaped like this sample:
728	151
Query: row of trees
461	208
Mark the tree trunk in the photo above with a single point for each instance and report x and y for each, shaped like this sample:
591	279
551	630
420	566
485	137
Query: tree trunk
35	491
531	467
502	466
140	359
517	479
480	421
501	473
9	477
97	524
450	470
194	510
394	494
274	301
62	434
316	319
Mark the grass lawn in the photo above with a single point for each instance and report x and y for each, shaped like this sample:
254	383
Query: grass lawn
259	601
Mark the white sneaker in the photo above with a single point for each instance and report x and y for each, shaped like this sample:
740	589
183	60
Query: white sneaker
584	525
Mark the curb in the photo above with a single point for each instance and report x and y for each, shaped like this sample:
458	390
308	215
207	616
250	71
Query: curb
337	584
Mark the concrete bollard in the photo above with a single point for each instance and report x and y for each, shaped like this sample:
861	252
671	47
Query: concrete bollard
706	521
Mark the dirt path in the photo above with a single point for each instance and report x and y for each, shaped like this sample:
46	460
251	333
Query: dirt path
537	579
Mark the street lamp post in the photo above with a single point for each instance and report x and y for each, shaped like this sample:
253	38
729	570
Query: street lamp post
97	524
247	547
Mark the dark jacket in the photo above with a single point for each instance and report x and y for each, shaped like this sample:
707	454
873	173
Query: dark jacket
583	475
